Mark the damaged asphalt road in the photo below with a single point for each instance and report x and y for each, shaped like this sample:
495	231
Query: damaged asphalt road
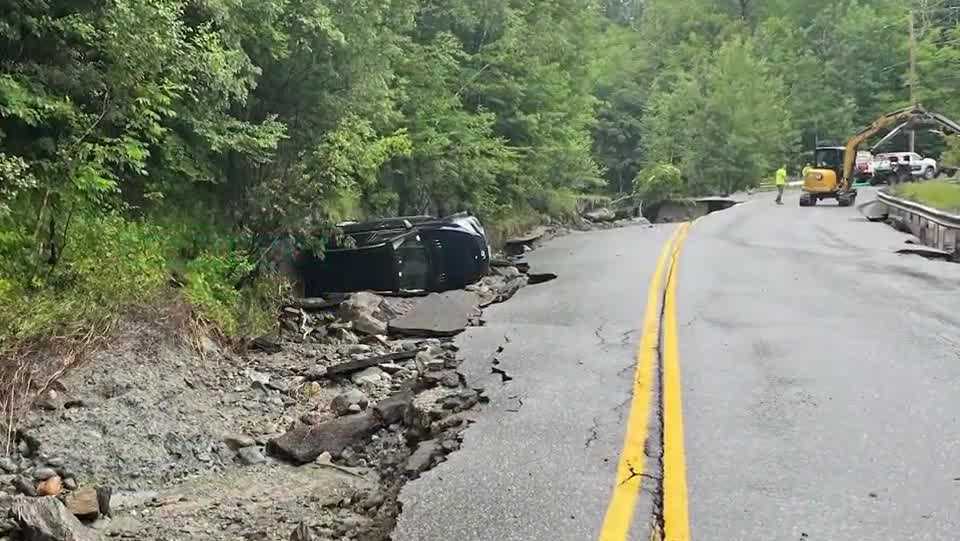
819	374
543	468
815	354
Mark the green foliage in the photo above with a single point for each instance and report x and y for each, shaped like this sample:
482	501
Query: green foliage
213	283
561	205
15	177
698	123
195	133
622	75
658	182
107	263
951	157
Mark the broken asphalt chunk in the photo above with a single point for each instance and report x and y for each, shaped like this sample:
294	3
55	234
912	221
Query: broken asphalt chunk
438	315
926	251
392	410
875	211
521	244
422	458
536	279
265	344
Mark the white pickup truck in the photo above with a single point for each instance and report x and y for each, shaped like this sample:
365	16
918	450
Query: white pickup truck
886	164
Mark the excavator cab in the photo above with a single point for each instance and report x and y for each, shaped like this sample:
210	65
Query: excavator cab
824	180
830	158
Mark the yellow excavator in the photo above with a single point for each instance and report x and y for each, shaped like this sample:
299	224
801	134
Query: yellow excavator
833	175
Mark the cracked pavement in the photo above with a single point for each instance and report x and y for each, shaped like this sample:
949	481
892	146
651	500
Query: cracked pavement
819	400
546	471
819	373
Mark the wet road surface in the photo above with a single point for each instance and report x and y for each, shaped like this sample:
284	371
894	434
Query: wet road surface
818	372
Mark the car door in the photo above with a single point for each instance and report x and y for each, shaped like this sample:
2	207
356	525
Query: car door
916	163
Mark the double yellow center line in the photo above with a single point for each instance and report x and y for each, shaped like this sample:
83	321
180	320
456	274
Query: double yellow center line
663	346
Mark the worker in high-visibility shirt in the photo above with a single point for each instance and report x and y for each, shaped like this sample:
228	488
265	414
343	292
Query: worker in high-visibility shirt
781	180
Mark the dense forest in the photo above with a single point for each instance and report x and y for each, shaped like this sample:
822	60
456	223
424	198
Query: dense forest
141	139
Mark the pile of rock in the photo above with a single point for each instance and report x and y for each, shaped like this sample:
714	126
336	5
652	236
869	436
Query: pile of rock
42	499
337	320
334	389
499	287
426	387
616	223
399	412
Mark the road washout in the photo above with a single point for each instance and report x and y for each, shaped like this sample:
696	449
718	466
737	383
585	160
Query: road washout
320	425
310	432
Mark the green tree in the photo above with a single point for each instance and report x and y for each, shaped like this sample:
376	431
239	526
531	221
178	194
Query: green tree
700	123
622	74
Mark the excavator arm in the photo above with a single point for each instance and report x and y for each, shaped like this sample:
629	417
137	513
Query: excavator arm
909	116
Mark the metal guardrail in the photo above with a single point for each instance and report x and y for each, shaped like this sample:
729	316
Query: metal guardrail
934	227
936	216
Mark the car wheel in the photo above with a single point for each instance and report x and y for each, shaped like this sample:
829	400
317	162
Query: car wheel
929	173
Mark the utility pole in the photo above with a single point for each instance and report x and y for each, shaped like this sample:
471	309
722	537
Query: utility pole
913	77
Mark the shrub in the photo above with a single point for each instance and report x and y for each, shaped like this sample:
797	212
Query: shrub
214	289
104	264
108	264
658	182
558	204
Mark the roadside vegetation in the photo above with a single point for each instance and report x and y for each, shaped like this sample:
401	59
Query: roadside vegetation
939	195
156	149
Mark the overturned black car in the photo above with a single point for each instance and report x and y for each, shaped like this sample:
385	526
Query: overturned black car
413	253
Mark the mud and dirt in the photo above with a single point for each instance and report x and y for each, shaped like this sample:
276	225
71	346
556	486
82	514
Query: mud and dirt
178	429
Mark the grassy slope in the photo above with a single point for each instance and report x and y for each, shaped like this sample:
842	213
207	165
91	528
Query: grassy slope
941	195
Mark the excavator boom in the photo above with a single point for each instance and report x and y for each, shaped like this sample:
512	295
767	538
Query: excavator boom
833	177
913	116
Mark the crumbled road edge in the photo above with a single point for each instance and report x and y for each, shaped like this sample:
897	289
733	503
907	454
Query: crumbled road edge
308	435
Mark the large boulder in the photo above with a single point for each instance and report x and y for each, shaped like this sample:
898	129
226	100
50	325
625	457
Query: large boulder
83	503
46	519
342	402
367	312
305	443
600	215
392	410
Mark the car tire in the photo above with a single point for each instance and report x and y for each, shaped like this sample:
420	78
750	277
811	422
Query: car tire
929	173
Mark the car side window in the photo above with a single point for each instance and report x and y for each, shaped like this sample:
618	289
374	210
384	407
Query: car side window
915	157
